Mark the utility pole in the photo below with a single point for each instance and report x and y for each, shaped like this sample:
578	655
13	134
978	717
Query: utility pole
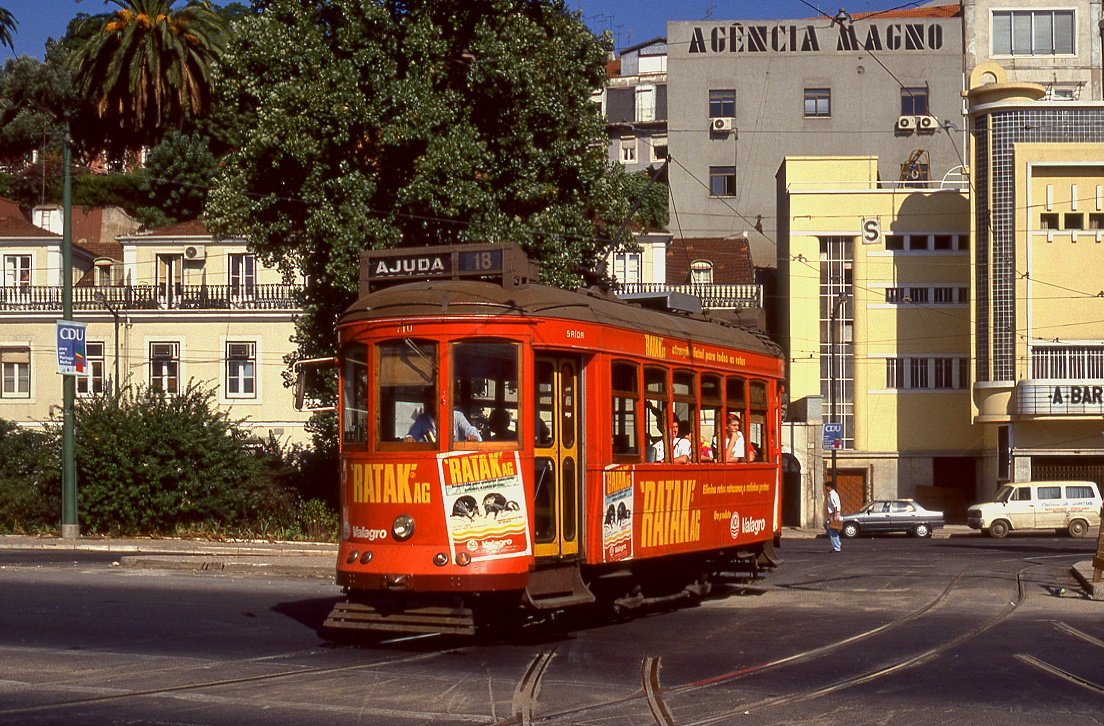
833	375
70	529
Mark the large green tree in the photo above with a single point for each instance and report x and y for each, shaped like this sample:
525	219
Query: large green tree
146	68
383	123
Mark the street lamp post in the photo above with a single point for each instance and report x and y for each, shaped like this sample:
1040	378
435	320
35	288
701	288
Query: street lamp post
838	303
102	300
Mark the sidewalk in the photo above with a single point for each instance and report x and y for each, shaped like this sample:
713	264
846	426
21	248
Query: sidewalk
247	557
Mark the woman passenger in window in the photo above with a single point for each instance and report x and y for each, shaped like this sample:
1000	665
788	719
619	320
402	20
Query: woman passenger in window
734	440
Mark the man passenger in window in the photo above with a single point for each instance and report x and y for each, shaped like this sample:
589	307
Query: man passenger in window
424	427
681	448
734	440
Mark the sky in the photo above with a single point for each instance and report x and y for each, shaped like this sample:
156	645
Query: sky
630	21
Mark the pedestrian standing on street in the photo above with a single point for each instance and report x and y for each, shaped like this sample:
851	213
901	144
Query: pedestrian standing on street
834	522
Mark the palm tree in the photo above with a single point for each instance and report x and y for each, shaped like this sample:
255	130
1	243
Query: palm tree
146	68
7	27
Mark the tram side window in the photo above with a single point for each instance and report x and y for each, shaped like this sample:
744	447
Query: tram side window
655	414
625	384
736	405
543	411
686	409
757	430
407	391
354	394
710	420
485	391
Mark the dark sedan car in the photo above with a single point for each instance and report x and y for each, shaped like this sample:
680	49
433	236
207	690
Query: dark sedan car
892	515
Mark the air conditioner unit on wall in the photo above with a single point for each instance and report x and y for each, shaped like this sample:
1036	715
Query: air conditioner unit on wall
722	124
928	123
906	123
195	252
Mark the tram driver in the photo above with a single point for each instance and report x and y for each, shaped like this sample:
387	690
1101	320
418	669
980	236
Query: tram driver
424	427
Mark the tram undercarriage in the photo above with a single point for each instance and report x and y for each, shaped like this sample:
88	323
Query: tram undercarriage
663	582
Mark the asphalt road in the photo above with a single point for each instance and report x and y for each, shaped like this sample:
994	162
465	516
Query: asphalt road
960	630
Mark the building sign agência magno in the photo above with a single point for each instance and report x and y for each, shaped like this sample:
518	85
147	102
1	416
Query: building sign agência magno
780	38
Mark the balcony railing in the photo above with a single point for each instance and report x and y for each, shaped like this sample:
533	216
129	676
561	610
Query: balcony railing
155	297
713	296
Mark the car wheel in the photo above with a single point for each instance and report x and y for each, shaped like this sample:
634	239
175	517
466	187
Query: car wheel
850	529
998	529
1078	528
922	530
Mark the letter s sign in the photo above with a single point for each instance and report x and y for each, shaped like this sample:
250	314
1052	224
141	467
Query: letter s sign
872	231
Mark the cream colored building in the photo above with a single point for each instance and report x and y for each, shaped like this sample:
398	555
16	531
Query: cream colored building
876	275
1038	313
163	309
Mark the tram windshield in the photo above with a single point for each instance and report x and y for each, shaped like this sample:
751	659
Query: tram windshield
407	391
485	390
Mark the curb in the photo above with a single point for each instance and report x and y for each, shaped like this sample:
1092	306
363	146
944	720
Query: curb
1083	573
314	566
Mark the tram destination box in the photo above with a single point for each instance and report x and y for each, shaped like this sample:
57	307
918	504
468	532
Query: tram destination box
506	264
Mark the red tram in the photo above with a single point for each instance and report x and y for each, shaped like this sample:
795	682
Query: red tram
556	480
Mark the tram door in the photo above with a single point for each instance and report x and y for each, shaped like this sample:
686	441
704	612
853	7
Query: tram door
556	458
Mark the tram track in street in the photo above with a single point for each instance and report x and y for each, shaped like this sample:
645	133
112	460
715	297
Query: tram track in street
655	694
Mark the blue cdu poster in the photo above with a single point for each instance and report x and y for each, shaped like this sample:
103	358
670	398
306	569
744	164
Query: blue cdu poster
71	348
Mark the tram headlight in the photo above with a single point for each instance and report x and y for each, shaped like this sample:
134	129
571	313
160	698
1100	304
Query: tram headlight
403	527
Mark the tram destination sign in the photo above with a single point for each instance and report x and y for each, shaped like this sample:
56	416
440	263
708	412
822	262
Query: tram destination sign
505	263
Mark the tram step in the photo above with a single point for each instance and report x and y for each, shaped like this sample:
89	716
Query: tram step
557	587
428	619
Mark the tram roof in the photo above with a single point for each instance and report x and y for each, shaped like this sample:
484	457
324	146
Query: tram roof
467	298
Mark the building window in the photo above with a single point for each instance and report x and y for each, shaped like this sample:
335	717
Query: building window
914	101
944	295
722	103
1033	32
918	242
818	102
918	295
94	381
1073	220
659	148
918	373
17	270
895	241
722	181
165	367
1067	362
944	372
15	371
645	103
1048	220
701	272
170	278
628	150
894	373
243	275
895	295
626	267
241	370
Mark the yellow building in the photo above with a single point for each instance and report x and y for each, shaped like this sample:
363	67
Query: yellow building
1038	316
162	309
875	321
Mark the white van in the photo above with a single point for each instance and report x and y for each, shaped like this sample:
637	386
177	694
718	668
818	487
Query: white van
1073	506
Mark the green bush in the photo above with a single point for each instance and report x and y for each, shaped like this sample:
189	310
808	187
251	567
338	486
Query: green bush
148	463
30	479
317	521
